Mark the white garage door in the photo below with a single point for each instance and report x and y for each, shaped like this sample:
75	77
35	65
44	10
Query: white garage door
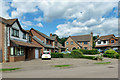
36	53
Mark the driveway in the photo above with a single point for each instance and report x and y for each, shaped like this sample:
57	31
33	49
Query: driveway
80	68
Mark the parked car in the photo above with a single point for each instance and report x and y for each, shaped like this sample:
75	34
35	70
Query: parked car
46	55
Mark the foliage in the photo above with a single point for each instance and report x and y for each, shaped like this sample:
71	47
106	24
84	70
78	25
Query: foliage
110	51
89	57
76	54
99	57
103	63
62	65
57	55
9	69
92	52
117	56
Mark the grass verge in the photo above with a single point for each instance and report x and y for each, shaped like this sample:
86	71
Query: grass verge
9	69
62	65
103	63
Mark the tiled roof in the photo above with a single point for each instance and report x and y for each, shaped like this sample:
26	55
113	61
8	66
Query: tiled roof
40	42
81	38
107	37
7	21
44	35
102	45
60	45
25	44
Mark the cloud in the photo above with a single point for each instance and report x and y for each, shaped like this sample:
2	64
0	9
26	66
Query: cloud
22	7
27	23
39	25
38	19
4	7
108	26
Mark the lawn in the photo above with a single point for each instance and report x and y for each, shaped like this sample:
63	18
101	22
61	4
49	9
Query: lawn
9	69
62	65
102	63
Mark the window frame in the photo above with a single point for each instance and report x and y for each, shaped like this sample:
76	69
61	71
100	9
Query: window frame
67	43
71	42
85	42
24	35
15	32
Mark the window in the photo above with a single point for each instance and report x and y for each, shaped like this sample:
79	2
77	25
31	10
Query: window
24	35
30	39
67	43
85	48
99	42
50	42
71	42
77	47
12	51
112	41
85	42
17	51
55	43
104	42
15	32
47	41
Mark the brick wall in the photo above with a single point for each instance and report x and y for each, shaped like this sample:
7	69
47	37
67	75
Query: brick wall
16	58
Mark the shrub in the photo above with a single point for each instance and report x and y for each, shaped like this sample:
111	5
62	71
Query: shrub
57	55
76	54
89	57
68	55
99	57
110	51
117	56
92	52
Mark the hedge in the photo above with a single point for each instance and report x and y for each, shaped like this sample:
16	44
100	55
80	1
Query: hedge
117	56
57	55
76	54
110	51
91	52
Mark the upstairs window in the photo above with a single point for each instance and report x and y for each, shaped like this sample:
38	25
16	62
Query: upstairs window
85	48
71	42
104	42
99	42
30	39
112	41
55	43
67	43
15	32
47	41
24	35
85	42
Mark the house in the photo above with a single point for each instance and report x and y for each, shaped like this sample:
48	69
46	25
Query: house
48	43
79	42
15	42
107	42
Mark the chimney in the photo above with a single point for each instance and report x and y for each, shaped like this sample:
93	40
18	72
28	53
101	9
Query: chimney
97	36
91	41
50	34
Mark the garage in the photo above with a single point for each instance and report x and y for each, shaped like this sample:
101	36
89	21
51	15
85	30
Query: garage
0	56
36	53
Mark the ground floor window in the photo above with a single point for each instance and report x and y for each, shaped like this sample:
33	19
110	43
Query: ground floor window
17	51
85	48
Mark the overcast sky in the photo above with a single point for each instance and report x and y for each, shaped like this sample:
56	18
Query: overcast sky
64	18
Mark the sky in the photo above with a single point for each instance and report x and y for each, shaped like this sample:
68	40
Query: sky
64	18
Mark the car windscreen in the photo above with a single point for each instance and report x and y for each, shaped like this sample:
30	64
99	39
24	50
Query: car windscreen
46	53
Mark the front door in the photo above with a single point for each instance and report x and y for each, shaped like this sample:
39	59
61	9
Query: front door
26	53
36	53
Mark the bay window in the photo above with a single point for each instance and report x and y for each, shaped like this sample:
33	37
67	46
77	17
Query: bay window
17	51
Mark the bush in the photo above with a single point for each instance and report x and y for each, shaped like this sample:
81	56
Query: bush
92	52
117	56
89	57
57	55
68	55
110	51
76	54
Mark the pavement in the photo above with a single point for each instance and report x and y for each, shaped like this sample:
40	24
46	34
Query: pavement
80	68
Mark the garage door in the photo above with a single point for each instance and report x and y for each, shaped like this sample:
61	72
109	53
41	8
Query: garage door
0	56
36	53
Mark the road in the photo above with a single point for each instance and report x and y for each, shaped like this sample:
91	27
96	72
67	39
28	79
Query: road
80	68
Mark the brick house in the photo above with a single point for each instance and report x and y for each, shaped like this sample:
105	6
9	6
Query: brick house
79	42
48	43
107	42
15	42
